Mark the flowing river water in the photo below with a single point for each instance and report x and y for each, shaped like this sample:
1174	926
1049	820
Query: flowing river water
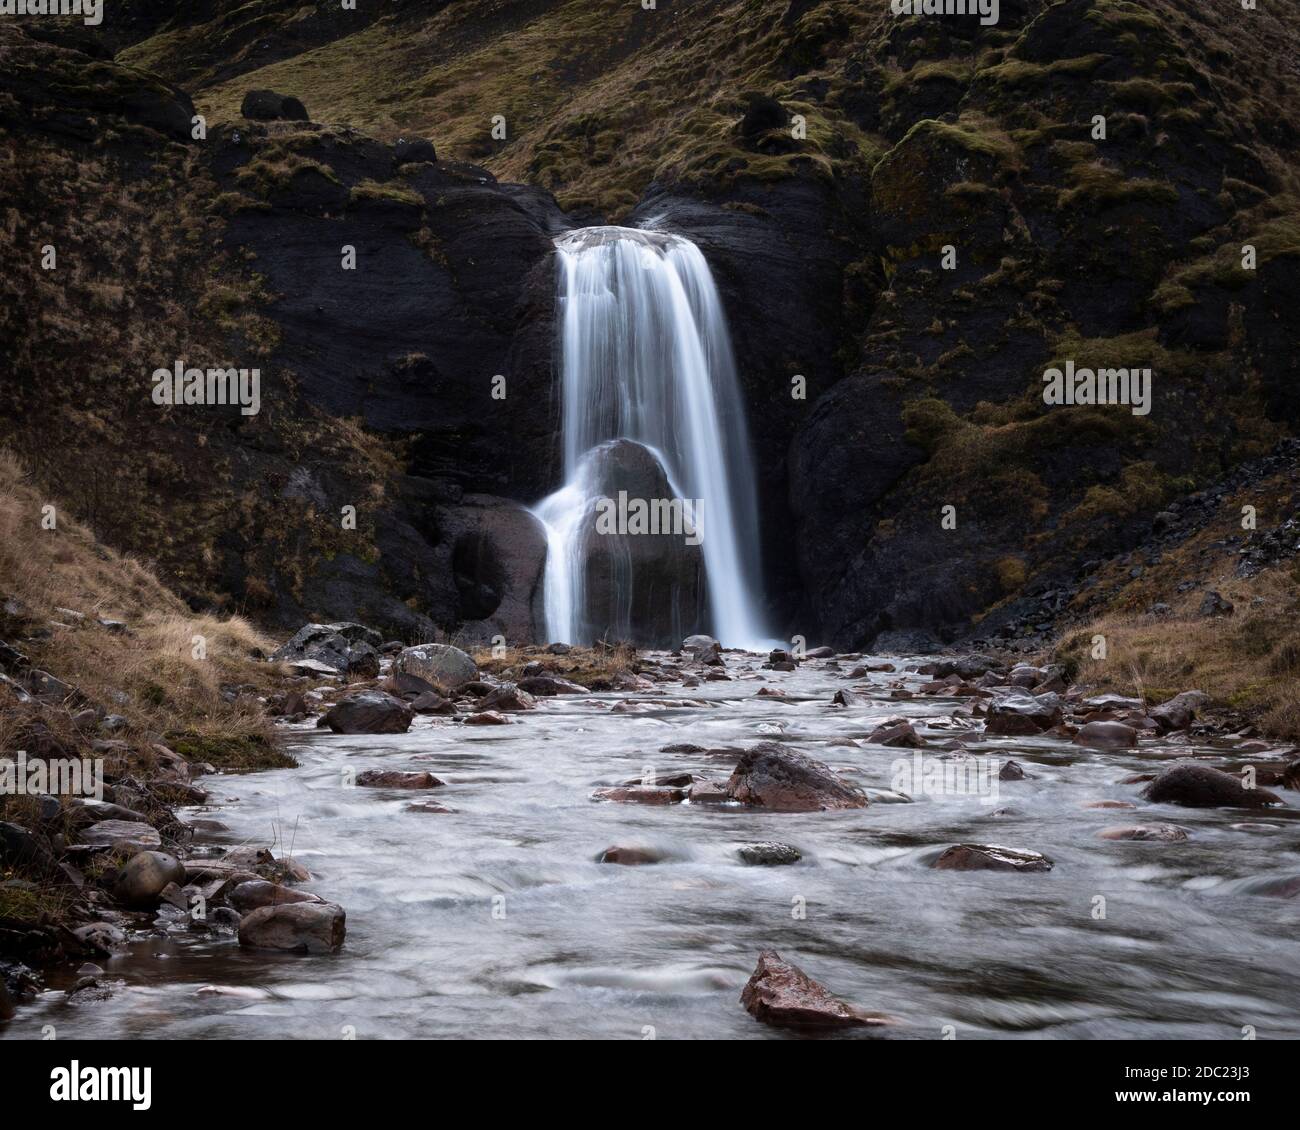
496	921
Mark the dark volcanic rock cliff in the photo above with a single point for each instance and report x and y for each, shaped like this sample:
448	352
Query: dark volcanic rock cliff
909	221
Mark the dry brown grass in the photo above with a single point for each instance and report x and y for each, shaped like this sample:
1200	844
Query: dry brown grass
595	668
171	664
1249	661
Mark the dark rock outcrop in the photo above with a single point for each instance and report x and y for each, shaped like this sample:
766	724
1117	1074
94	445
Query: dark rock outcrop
369	712
1201	786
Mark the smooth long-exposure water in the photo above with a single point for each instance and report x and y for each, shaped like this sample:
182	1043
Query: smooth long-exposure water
496	921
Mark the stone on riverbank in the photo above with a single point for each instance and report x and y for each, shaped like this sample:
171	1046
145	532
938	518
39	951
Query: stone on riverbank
437	663
144	876
257	893
299	927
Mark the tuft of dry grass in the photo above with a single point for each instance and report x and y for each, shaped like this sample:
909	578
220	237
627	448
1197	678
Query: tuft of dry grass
1249	661
171	672
592	667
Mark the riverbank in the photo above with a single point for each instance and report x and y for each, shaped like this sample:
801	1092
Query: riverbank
598	863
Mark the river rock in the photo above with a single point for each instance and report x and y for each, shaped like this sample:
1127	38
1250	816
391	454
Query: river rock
1164	833
143	877
1022	713
1200	786
640	794
487	718
784	995
1011	771
299	927
709	792
430	806
701	647
255	893
126	836
102	937
630	856
776	778
437	663
545	686
1178	712
895	732
991	857
507	697
369	712
394	779
1106	735
432	703
768	853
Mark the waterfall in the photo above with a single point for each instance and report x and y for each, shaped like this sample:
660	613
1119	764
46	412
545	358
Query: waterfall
646	360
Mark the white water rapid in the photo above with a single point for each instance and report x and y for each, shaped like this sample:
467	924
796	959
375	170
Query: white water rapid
646	357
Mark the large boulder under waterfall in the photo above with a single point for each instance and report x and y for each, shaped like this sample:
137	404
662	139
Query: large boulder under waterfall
646	584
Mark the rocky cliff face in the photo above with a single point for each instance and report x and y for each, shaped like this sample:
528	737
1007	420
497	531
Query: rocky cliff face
909	221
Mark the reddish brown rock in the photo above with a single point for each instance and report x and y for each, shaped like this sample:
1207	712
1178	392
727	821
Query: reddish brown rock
1106	735
991	857
393	779
630	856
783	995
487	718
640	794
773	777
895	732
256	893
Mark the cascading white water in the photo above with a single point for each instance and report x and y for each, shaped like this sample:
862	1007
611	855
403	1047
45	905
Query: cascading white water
646	357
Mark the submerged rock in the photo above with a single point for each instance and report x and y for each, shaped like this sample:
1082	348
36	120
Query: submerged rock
1200	786
640	794
544	686
630	856
991	857
299	927
1165	833
784	995
773	777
